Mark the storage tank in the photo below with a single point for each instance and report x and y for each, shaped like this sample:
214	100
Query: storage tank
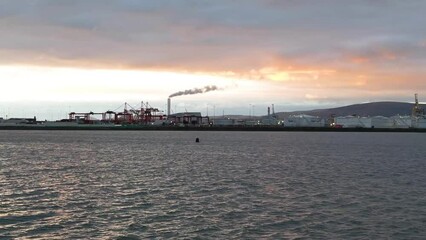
401	121
381	122
419	122
353	122
366	122
270	121
304	121
223	122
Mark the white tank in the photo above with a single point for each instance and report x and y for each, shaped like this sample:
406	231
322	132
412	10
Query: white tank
419	122
224	122
381	122
304	121
353	122
401	121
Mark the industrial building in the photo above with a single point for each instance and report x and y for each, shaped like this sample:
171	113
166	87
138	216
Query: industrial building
188	119
15	121
149	116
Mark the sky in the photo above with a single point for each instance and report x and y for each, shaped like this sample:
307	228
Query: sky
58	56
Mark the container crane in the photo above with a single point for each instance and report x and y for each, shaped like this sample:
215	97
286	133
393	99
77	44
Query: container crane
417	110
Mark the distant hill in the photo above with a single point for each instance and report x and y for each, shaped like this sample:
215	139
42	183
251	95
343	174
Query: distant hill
386	109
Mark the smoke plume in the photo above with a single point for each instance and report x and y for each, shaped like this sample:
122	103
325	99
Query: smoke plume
195	91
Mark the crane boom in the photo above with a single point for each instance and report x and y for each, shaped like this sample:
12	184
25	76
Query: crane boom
417	110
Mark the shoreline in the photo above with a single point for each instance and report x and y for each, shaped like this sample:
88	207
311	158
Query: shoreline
209	128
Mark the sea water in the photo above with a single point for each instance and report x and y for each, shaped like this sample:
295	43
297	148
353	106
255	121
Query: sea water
230	185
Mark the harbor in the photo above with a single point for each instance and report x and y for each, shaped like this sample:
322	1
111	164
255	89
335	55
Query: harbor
146	117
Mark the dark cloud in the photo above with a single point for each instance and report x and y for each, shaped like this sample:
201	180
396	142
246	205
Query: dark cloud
221	35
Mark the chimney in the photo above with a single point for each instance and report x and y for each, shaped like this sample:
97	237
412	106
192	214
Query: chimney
168	106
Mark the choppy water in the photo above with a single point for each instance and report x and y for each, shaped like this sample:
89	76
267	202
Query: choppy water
231	185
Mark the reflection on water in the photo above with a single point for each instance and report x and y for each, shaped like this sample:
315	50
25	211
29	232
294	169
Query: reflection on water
110	184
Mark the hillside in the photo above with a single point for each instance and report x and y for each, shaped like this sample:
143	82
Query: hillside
385	109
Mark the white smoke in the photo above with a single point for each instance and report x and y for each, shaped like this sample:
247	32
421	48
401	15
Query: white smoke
195	91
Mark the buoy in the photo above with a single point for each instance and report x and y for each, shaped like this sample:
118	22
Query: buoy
197	140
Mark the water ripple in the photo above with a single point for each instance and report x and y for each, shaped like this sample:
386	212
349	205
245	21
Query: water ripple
247	185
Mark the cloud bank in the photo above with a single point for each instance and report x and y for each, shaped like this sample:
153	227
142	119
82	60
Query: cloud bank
366	45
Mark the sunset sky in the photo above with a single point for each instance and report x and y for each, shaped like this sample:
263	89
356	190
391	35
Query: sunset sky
58	56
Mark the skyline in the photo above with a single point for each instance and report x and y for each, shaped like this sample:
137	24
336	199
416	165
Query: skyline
57	56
